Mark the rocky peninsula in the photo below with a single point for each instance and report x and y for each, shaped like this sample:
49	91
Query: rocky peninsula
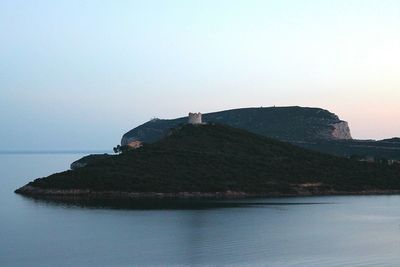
212	160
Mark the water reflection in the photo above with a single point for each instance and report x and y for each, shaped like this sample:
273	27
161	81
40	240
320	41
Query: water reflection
306	231
161	203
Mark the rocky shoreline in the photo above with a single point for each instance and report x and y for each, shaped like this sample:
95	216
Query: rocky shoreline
28	190
76	193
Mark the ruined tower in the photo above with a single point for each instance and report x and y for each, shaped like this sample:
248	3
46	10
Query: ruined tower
194	118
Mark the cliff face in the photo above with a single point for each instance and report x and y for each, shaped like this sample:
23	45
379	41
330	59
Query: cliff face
292	124
341	130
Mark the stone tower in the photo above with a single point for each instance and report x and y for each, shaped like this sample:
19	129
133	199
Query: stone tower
194	118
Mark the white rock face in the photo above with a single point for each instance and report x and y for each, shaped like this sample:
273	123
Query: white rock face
135	144
195	118
126	141
341	130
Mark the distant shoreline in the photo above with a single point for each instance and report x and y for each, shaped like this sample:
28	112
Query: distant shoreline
28	190
40	152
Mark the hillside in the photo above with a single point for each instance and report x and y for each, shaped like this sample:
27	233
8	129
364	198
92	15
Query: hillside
217	158
283	123
311	128
365	149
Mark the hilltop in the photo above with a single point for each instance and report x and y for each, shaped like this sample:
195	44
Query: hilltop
214	160
283	123
312	128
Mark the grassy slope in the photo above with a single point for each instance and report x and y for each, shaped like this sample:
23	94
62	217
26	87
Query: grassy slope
212	158
304	127
283	123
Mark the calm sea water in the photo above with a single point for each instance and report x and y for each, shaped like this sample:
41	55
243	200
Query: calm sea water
313	231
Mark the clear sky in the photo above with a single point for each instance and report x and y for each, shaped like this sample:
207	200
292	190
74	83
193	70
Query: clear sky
77	74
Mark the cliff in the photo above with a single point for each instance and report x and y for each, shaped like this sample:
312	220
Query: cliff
312	128
341	131
291	124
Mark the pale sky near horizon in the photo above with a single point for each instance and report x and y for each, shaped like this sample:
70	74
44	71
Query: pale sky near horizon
77	74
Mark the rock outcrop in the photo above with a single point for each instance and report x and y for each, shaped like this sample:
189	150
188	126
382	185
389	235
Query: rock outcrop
341	130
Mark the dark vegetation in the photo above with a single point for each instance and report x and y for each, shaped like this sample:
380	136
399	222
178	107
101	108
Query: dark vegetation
217	158
283	123
362	149
120	149
304	127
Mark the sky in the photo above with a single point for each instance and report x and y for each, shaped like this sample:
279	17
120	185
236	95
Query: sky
77	74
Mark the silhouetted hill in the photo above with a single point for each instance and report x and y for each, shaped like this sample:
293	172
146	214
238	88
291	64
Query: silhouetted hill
361	148
283	123
312	128
394	140
217	158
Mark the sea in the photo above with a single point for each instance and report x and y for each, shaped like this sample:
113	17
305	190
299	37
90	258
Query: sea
296	231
